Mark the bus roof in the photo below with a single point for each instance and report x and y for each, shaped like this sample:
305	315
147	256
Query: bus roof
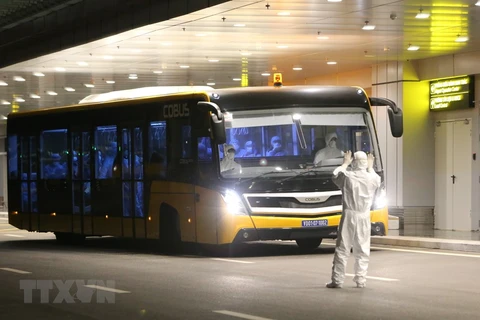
251	98
232	99
146	92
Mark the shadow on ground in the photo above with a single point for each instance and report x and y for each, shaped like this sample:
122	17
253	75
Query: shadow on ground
130	246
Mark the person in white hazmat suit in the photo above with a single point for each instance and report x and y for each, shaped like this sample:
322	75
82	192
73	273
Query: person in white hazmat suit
228	162
330	151
358	187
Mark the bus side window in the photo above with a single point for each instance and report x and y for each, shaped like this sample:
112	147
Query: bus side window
13	157
106	151
186	142
157	150
204	149
54	147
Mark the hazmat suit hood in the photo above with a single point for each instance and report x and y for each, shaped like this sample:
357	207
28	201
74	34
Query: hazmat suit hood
228	162
359	161
330	151
328	140
228	152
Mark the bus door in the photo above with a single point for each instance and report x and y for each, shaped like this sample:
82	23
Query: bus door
176	195
106	183
28	182
81	181
132	179
54	189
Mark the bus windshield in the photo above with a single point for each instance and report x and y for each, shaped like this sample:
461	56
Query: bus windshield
287	142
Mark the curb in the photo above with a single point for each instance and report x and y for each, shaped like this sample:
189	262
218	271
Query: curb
429	243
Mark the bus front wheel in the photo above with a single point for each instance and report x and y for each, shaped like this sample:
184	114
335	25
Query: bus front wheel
170	239
309	244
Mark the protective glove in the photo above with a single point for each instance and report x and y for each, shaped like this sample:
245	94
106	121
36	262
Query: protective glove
370	161
347	158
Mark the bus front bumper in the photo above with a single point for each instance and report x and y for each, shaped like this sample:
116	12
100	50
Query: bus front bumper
265	234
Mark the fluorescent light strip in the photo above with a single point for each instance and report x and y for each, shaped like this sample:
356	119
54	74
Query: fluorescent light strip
422	15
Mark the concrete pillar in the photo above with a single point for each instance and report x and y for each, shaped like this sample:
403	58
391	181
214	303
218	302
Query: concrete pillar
408	161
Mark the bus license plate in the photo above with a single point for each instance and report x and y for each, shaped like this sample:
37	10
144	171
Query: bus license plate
314	223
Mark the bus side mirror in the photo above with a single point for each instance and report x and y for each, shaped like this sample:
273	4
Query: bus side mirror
217	121
396	122
395	115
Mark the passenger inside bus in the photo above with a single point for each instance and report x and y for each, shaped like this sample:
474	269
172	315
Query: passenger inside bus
249	151
203	152
228	162
276	148
56	169
106	169
330	151
236	145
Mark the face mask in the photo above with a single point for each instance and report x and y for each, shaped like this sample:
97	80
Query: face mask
332	144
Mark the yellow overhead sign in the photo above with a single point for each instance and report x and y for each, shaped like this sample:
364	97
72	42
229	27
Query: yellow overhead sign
452	94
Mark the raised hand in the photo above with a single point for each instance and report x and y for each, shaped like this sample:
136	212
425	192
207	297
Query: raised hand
347	158
370	160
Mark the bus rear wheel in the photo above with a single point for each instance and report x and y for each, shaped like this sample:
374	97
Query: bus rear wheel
309	243
69	238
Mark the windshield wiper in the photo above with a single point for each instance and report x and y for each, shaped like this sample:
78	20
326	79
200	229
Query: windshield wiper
314	171
263	175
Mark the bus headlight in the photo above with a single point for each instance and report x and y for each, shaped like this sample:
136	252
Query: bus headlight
234	203
380	200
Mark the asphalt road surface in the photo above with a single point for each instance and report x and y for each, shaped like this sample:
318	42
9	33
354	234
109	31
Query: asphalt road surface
111	279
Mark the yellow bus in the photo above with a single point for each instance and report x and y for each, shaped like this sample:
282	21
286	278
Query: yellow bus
192	164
